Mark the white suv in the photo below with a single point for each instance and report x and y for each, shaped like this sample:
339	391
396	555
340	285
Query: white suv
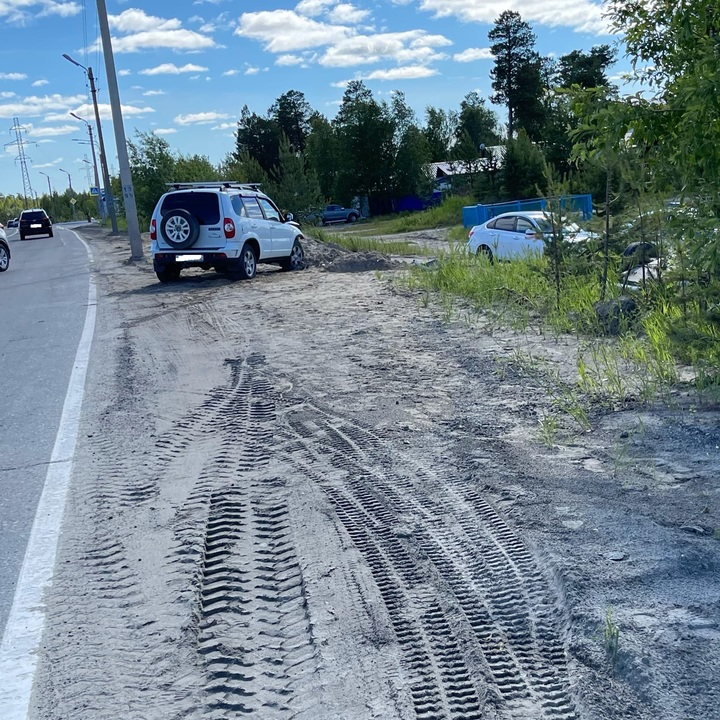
223	225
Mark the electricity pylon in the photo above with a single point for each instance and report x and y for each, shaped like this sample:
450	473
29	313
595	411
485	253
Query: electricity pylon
21	142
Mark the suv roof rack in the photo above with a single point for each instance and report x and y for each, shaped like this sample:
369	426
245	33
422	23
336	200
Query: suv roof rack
213	184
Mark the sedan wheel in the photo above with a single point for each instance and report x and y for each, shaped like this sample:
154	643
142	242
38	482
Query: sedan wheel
4	259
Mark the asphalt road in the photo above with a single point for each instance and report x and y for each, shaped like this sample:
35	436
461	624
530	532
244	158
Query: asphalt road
43	302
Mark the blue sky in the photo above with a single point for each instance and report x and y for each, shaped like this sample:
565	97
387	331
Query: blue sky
186	68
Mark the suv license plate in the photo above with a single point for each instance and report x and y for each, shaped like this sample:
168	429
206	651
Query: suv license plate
188	258
36	226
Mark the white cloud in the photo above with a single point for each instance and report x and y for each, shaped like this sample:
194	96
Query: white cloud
289	60
225	126
150	93
39	132
13	76
580	15
284	31
412	72
414	46
347	14
63	9
152	39
6	94
313	8
164	131
134	20
172	69
124	73
36	105
40	83
251	71
230	73
87	110
135	30
201	118
472	54
52	164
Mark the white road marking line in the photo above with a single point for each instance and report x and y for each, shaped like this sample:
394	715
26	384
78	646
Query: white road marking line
26	621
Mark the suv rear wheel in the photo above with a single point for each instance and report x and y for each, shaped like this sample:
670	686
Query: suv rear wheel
245	266
167	272
180	229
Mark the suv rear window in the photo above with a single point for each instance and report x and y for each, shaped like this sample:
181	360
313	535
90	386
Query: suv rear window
204	206
33	215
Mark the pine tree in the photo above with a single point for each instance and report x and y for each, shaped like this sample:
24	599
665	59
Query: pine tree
516	65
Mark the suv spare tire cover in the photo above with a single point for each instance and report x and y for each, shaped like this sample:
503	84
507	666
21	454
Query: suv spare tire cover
179	229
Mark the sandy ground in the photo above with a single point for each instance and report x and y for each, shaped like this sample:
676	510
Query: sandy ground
313	496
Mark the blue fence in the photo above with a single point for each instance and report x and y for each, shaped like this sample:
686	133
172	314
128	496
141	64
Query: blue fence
477	214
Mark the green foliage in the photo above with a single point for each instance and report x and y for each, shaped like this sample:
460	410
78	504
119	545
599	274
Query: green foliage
440	128
365	130
523	171
292	187
515	75
586	70
152	165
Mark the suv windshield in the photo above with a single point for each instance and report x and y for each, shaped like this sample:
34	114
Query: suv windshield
203	205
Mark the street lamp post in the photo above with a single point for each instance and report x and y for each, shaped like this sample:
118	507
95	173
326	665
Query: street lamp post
69	178
50	195
103	156
70	186
95	168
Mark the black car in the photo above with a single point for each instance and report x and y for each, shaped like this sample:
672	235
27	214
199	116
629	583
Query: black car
35	222
4	252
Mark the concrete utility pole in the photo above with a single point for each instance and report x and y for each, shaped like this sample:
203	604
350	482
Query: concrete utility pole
136	247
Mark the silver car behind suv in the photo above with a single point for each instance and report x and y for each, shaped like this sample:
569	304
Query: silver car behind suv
223	225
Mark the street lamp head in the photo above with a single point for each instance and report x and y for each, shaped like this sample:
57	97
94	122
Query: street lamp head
74	62
77	117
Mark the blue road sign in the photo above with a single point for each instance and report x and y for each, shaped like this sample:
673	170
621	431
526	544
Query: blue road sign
94	191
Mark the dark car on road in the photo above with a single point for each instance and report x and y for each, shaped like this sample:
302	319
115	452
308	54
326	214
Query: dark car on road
35	222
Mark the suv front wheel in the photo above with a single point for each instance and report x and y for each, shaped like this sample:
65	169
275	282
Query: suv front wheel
295	261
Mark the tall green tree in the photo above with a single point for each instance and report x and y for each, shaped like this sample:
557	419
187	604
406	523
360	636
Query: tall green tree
523	170
439	131
152	165
259	137
587	70
323	154
292	113
513	46
293	186
365	132
477	122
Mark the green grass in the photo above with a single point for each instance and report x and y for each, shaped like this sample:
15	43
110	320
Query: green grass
447	214
355	243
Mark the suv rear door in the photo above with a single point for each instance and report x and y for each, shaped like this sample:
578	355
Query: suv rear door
259	225
205	207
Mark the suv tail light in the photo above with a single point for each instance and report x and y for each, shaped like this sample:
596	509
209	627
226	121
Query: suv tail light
153	230
229	228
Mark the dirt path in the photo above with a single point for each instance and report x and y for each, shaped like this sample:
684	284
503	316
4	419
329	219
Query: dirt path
306	496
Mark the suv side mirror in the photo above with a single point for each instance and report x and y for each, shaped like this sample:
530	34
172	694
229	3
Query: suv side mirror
289	217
